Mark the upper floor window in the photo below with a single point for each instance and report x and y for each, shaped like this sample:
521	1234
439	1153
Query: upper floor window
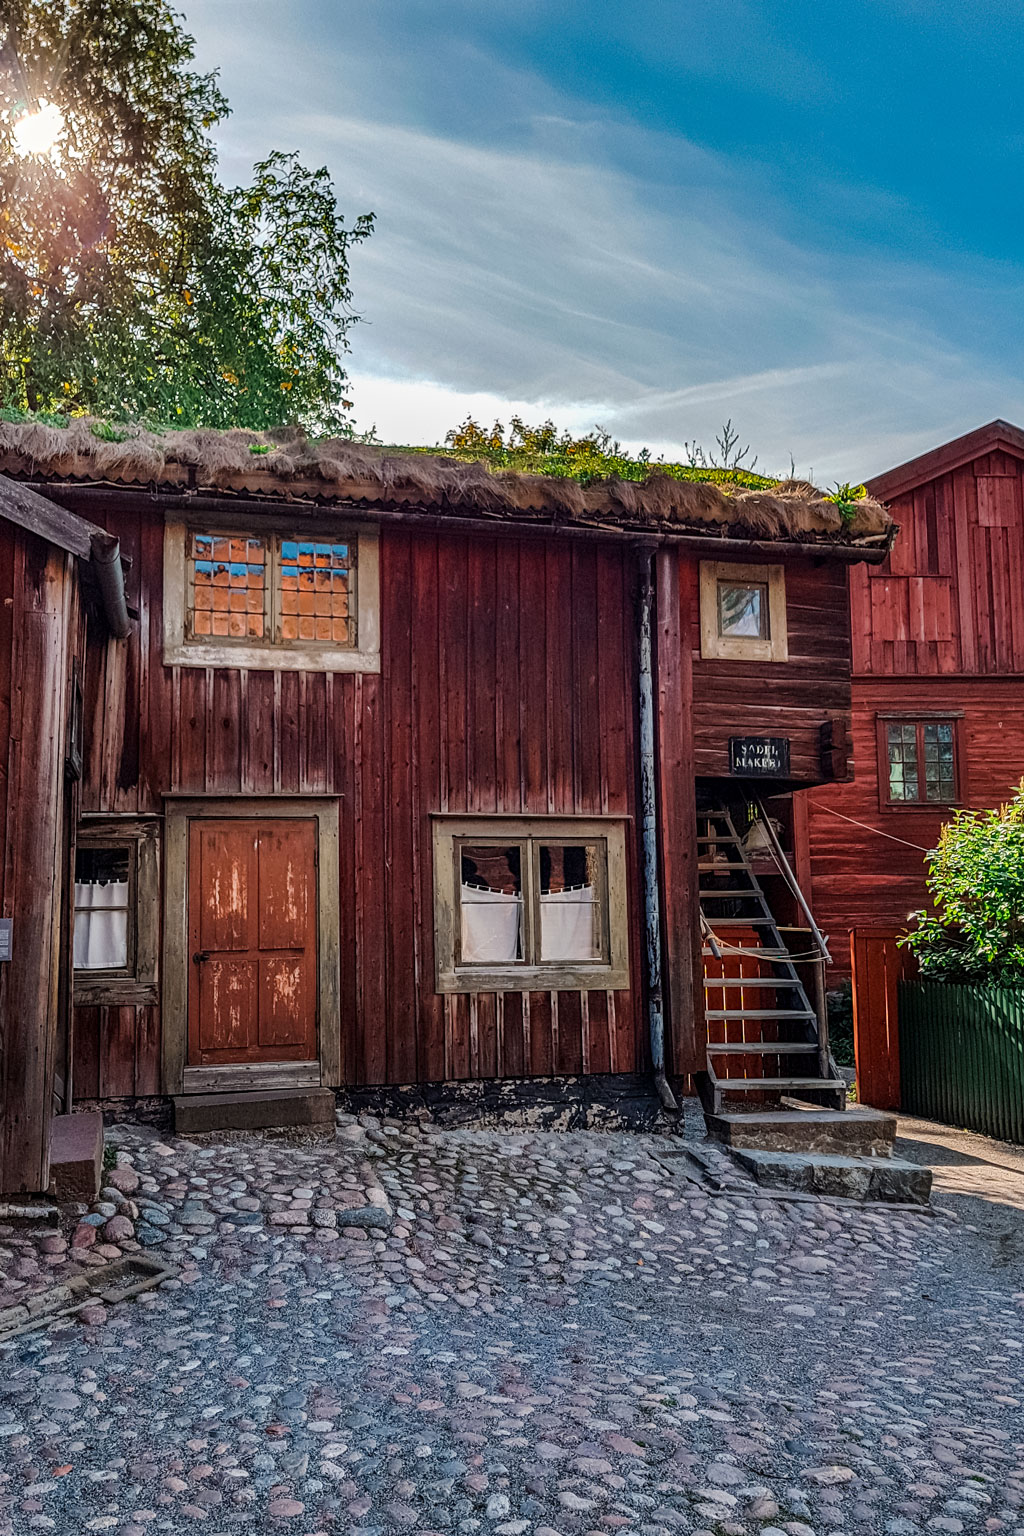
918	761
743	612
238	597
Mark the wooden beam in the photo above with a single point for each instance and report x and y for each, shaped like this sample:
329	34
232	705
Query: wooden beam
51	522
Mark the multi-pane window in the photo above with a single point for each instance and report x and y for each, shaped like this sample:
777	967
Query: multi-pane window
277	591
116	911
529	904
919	761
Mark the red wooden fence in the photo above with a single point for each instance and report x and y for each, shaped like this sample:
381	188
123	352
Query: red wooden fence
878	967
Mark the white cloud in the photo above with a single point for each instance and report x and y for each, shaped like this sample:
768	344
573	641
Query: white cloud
518	265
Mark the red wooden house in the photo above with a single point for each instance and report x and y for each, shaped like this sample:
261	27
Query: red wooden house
938	681
399	776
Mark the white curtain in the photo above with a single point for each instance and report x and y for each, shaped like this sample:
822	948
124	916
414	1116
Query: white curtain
101	925
569	925
490	926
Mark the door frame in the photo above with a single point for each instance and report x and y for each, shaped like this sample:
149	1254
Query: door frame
179	814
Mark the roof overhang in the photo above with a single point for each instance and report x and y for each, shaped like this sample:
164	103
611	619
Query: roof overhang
66	530
997	436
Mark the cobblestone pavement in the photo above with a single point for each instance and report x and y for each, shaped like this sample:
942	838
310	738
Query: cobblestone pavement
519	1334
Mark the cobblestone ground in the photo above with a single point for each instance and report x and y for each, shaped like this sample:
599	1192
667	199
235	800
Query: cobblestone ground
519	1333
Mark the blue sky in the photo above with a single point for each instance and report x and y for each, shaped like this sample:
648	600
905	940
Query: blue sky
803	216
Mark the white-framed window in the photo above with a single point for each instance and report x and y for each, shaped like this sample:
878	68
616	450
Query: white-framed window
743	612
530	903
272	599
116	912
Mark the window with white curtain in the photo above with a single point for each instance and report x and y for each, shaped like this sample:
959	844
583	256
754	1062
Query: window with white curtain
116	911
530	904
103	885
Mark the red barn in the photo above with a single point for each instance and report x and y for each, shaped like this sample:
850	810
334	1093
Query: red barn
938	680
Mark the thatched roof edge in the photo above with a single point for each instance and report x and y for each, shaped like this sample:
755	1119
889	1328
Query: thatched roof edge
289	466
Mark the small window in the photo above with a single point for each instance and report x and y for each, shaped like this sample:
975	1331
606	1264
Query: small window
277	601
743	612
918	761
529	905
116	913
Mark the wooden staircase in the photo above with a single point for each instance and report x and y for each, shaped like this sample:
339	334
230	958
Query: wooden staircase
773	1043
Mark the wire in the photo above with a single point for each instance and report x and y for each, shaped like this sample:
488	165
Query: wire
867	827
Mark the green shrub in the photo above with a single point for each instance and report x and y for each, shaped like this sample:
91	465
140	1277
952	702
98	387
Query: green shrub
976	882
840	1023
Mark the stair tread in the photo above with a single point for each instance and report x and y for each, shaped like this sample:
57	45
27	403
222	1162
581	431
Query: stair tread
711	982
762	1047
760	1013
740	922
751	1084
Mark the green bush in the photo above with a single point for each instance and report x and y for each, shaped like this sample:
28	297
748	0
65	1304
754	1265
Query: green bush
840	1023
976	882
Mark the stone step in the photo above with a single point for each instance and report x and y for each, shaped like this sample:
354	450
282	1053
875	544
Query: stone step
856	1130
829	1175
76	1155
196	1113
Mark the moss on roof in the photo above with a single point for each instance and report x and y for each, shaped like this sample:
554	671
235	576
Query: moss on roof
629	493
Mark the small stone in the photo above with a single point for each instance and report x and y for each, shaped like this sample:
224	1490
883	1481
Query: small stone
285	1509
498	1506
118	1230
84	1235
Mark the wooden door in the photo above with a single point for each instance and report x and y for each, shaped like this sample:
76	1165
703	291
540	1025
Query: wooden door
252	992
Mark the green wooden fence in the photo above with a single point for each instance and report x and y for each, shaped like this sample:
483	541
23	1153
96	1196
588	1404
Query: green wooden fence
962	1055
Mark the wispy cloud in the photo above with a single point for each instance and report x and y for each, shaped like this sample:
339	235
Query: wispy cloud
561	260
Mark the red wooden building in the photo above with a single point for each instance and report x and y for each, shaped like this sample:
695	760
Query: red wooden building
397	777
938	681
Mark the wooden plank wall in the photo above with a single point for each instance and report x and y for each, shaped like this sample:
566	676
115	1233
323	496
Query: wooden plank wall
938	626
39	634
790	698
506	686
949	599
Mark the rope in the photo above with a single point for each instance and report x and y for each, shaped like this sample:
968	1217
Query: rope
877	830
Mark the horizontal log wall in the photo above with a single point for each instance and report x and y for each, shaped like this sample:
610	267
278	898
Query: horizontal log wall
506	686
791	698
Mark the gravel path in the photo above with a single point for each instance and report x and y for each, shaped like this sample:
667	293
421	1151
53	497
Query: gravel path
533	1333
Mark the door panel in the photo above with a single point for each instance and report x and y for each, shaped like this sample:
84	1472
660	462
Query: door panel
284	1001
287	854
228	1004
252	991
227	852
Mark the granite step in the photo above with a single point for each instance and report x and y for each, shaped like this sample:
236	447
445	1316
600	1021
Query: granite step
854	1131
831	1175
198	1113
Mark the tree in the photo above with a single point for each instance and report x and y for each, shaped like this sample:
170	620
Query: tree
132	283
976	881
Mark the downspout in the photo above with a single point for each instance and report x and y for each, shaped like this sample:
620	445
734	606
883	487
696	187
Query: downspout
105	560
649	810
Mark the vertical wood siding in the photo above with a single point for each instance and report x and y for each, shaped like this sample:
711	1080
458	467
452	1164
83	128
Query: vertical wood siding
506	686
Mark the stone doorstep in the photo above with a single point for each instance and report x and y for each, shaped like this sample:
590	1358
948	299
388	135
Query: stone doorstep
887	1179
118	1281
858	1130
76	1156
266	1109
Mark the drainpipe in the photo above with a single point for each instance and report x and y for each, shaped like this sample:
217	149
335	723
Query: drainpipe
649	807
105	560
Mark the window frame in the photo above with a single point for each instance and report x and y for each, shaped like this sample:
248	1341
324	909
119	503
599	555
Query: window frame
270	654
137	981
719	647
452	833
920	718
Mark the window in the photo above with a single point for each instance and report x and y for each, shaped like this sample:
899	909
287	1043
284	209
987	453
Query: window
918	761
743	612
529	905
270	600
116	913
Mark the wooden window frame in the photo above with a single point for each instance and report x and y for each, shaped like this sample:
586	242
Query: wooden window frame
270	654
610	974
718	647
920	718
138	981
179	812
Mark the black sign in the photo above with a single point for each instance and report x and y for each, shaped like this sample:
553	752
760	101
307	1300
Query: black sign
758	757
